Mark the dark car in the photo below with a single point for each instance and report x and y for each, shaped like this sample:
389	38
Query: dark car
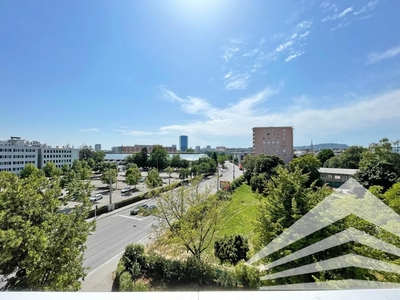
152	207
137	208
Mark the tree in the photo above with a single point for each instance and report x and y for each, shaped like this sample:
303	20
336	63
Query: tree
231	249
349	159
221	160
308	164
288	199
261	164
379	173
184	173
169	170
189	150
85	152
190	217
214	157
82	169
153	179
159	158
65	169
143	158
133	175
324	155
50	170
109	175
41	248
176	161
30	170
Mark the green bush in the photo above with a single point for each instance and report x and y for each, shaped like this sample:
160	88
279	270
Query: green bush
237	182
248	276
231	249
125	282
140	286
223	195
134	260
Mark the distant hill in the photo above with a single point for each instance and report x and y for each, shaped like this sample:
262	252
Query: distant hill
323	146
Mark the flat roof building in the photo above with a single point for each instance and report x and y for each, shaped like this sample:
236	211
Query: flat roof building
16	153
274	141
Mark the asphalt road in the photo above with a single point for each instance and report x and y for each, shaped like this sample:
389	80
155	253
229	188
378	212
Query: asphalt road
115	231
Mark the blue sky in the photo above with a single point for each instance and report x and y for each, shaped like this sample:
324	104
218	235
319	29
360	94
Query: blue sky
145	72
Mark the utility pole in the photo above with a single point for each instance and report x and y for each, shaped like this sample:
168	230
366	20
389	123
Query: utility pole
233	171
110	191
217	178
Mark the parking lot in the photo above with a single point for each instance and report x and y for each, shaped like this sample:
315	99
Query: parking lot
103	189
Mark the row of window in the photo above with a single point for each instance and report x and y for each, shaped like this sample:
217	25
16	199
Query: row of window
56	155
22	162
5	156
17	150
56	151
58	161
329	176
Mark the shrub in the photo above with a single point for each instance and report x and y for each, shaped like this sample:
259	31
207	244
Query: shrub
125	282
248	276
223	195
134	260
231	249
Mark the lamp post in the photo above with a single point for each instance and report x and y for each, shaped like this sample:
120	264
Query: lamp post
217	178
233	172
110	191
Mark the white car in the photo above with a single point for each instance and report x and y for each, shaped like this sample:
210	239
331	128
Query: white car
126	190
96	197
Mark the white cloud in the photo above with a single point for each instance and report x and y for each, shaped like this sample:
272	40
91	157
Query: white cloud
229	52
237	82
90	129
282	47
125	127
370	6
343	13
294	55
338	15
374	57
303	25
304	34
238	119
252	52
343	24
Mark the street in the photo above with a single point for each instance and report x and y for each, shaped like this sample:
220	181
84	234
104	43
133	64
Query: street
117	229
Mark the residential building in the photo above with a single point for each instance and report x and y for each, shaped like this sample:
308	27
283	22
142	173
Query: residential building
16	152
183	143
97	147
274	141
335	177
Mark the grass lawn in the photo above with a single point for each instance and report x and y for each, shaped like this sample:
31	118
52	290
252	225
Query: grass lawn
239	217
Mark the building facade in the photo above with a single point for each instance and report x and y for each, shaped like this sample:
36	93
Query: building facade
335	177
97	147
274	141
58	155
16	153
183	143
139	148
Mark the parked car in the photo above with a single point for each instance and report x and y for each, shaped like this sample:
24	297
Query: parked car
96	197
152	207
137	208
126	190
143	179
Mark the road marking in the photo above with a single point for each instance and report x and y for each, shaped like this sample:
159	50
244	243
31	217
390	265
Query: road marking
119	254
129	217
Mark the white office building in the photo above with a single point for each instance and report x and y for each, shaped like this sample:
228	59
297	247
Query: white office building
16	152
58	155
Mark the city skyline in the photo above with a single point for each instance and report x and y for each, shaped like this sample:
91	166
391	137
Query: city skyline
125	73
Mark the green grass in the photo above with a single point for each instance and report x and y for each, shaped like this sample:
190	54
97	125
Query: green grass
239	216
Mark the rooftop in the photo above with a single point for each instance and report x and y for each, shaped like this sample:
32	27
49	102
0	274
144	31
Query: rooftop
337	171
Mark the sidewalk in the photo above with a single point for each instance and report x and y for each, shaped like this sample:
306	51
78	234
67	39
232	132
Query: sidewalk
101	279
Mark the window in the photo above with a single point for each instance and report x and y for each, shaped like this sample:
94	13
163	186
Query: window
337	176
